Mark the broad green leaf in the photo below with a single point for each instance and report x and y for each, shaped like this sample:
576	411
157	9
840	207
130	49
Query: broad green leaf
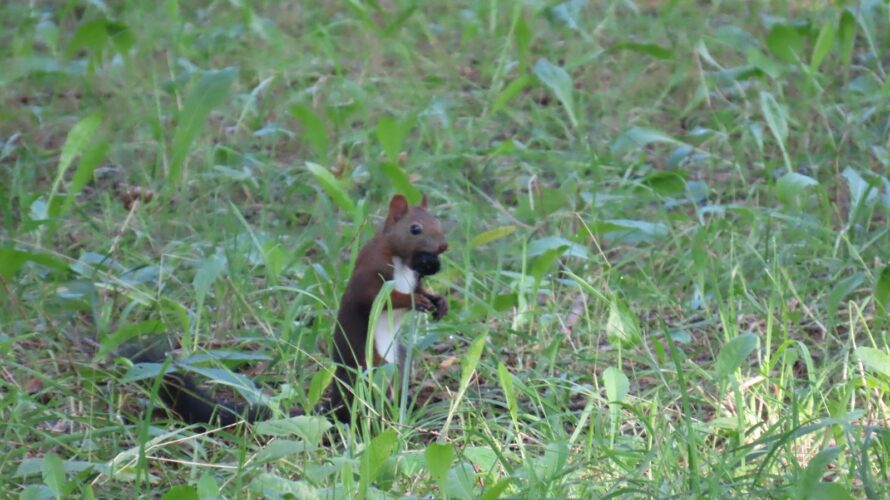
79	138
438	460
460	483
651	49
776	117
208	93
35	467
320	381
181	492
121	36
143	371
313	130
616	383
861	192
653	229
266	485
552	463
208	488
400	182
665	183
210	270
281	448
494	492
471	359
374	456
91	35
560	83
784	42
829	491
542	263
823	45
391	135
495	234
54	473
11	260
308	428
522	35
841	290
882	287
505	379
242	384
90	159
874	360
638	137
332	186
128	332
733	354
510	91
847	35
546	244
812	475
791	185
275	259
622	327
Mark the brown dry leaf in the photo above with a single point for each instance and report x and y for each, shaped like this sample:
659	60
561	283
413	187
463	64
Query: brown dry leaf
33	385
447	362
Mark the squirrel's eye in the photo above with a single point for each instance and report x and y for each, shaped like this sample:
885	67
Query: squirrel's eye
416	229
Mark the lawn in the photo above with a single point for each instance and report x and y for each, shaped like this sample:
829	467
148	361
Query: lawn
669	245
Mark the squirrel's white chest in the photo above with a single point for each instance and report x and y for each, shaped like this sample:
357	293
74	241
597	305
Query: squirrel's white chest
388	323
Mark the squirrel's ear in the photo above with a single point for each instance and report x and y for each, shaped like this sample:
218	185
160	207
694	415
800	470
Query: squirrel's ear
398	207
424	200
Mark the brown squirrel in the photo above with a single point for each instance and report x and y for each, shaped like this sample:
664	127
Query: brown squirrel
405	249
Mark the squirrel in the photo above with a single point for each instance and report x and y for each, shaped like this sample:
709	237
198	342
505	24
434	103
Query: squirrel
405	249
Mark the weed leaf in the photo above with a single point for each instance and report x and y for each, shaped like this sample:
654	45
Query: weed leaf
320	381
560	83
375	455
212	267
847	35
208	93
650	49
332	186
823	45
313	130
882	288
54	473
874	360
733	354
181	492
622	327
616	384
784	42
400	182
638	137
491	235
791	185
438	460
471	360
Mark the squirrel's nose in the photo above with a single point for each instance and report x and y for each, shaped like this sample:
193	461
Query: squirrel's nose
443	247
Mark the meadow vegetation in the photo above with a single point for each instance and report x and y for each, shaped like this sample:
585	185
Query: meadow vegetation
668	266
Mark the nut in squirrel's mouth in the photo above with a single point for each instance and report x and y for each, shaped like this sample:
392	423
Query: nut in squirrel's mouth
425	263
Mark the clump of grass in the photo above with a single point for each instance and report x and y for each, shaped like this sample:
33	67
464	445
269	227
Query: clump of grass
668	228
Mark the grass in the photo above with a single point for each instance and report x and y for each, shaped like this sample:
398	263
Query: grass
668	228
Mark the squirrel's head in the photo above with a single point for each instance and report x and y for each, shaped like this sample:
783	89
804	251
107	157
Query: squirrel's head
414	235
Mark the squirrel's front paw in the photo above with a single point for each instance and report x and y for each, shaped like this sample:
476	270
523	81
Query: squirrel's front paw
441	305
422	303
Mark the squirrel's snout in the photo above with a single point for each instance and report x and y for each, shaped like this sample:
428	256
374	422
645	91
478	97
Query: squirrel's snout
443	247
